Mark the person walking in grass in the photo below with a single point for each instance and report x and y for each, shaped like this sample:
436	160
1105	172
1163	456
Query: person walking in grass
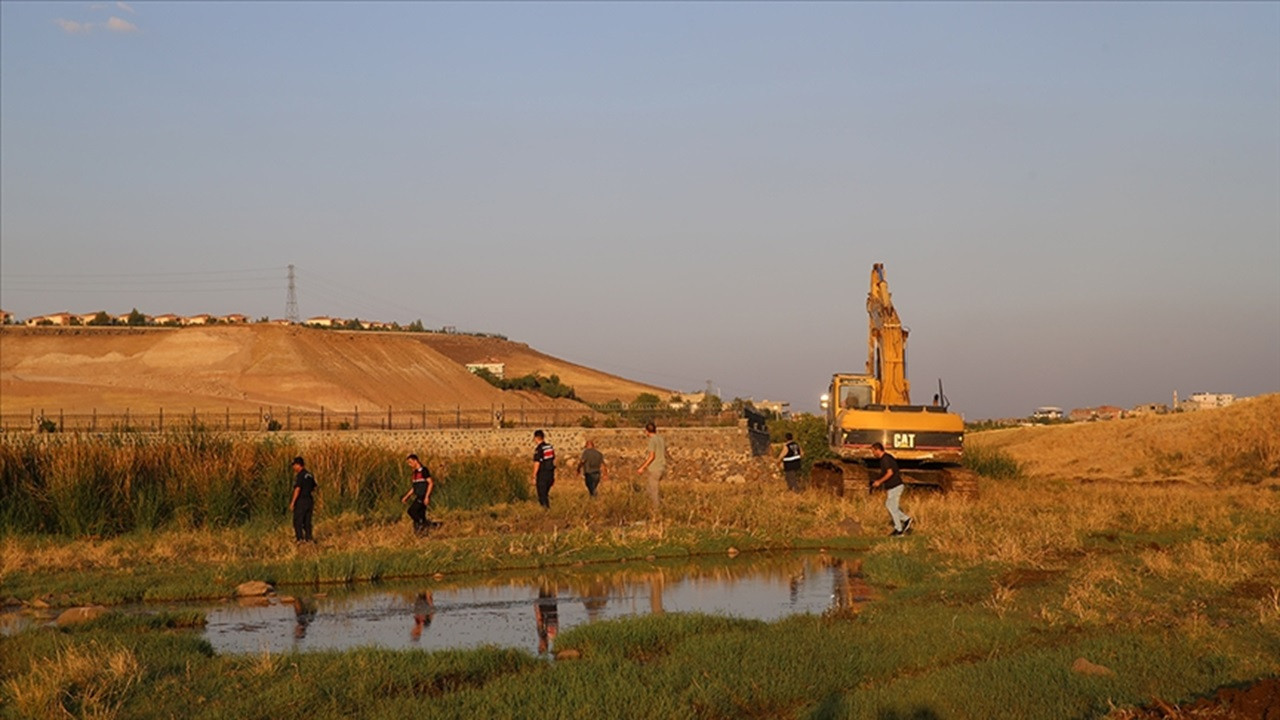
790	457
892	482
420	492
544	468
303	501
655	463
591	465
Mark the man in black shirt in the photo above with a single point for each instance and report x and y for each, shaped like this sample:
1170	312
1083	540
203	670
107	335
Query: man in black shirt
892	482
544	468
420	491
303	501
791	457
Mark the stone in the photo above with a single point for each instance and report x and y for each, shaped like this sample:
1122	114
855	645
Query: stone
78	615
569	654
733	551
39	604
736	479
253	588
1084	667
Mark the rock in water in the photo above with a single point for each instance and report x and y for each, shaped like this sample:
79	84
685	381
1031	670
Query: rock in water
77	615
253	588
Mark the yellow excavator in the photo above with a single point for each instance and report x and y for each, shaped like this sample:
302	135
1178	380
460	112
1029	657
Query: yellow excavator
875	406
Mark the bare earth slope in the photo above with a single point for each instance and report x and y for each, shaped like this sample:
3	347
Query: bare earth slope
590	385
248	366
1239	443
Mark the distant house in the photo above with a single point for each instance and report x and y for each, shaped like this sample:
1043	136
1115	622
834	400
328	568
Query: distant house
167	319
201	319
281	321
323	321
690	400
1205	401
234	319
377	325
1149	409
6	317
1102	412
124	319
1047	412
493	366
781	408
62	318
1108	412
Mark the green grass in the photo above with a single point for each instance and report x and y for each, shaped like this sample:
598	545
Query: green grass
917	652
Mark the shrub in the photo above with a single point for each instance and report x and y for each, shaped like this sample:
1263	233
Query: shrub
480	482
991	462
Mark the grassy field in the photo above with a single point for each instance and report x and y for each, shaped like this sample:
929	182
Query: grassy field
1168	590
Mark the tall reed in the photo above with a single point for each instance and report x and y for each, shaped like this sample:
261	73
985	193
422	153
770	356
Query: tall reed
108	484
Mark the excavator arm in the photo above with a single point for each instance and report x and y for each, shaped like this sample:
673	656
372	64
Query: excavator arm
886	343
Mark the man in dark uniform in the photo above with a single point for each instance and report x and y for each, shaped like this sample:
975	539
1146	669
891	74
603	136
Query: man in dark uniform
303	500
790	457
892	482
420	491
544	468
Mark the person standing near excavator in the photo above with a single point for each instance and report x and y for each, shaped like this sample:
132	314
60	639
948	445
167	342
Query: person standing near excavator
791	456
892	480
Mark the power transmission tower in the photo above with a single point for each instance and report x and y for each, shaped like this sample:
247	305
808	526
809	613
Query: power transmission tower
291	305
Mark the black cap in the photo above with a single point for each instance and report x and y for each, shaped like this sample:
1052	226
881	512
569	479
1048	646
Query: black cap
298	461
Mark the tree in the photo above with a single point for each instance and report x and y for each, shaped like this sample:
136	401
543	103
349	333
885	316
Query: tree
710	405
416	326
102	318
136	318
646	401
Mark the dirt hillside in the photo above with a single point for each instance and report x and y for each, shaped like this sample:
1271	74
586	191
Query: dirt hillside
248	366
1239	443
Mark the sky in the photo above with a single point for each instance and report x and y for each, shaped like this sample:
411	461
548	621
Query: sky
1076	203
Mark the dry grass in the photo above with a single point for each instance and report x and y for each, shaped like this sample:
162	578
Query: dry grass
85	682
1240	443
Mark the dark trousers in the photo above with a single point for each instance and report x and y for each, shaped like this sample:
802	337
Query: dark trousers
302	508
793	479
418	511
544	483
593	482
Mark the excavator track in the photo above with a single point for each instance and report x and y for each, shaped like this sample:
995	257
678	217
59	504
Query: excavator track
851	478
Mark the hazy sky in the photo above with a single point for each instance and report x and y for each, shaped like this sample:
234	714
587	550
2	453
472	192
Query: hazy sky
1076	203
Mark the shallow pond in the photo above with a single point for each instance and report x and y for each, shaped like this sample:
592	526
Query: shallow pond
528	610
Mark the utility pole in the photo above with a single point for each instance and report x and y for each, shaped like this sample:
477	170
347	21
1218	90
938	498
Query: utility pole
291	304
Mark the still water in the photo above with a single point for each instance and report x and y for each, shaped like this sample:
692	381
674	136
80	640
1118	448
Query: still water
529	610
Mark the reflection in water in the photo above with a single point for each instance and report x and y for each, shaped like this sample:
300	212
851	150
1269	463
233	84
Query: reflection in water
595	599
547	616
303	613
470	611
424	608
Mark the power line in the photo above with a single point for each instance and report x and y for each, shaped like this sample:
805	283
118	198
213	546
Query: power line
134	275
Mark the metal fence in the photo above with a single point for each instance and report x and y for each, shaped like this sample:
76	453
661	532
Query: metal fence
270	418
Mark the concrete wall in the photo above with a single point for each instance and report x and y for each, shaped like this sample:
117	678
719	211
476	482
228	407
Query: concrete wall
716	454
